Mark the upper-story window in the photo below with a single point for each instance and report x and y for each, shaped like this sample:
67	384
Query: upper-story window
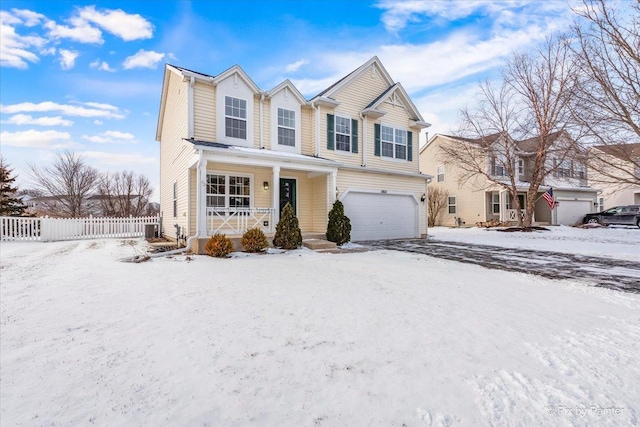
563	169
394	142
343	133
440	173
235	111
520	165
286	127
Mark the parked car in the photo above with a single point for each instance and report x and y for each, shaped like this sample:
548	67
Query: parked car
619	215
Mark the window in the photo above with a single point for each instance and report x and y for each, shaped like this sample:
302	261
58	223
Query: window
563	169
497	166
440	173
451	202
580	171
228	191
520	167
175	199
235	111
601	203
495	203
343	134
286	127
393	142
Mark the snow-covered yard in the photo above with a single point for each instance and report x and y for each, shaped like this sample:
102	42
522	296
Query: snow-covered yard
304	338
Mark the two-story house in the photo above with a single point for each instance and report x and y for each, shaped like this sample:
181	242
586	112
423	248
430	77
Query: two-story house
232	155
615	169
481	200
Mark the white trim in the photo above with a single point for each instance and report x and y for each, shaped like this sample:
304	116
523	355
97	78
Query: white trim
356	73
455	204
335	133
227	194
394	143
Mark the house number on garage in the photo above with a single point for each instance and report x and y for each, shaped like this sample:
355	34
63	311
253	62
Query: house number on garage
383	191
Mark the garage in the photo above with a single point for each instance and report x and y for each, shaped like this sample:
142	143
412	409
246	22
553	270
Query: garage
381	215
568	212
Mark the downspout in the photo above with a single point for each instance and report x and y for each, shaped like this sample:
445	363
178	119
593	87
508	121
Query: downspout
199	219
315	107
364	140
261	118
191	131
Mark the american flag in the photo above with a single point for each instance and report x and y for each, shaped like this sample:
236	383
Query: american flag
548	196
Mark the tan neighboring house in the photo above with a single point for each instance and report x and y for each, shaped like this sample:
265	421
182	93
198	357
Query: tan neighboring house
232	154
480	200
617	194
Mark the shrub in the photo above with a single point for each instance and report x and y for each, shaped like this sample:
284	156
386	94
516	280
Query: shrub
339	226
288	235
254	240
218	246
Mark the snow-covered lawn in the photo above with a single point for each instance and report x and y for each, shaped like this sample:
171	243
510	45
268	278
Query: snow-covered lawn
304	338
619	242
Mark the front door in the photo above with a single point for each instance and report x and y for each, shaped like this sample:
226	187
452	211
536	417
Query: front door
287	193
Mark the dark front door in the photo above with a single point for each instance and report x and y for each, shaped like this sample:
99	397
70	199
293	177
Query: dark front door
287	193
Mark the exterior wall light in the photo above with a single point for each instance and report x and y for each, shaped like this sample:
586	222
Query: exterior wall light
423	197
265	185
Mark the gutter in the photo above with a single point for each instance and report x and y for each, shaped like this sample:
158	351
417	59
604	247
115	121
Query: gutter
192	81
364	140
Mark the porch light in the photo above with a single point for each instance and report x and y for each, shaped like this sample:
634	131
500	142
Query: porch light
265	185
423	197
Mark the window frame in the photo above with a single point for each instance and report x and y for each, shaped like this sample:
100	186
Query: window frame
234	117
440	171
454	205
227	196
495	195
345	135
394	142
283	126
175	199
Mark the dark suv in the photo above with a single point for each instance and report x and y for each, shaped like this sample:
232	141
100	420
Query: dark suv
620	215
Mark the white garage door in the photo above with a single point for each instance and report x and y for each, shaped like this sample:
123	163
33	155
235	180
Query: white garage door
381	216
571	211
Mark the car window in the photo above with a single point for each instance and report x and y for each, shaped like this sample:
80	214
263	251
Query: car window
612	210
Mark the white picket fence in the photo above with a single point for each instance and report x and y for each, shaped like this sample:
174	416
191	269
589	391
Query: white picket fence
52	229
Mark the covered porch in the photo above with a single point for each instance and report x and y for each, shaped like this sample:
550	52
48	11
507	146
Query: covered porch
231	192
502	207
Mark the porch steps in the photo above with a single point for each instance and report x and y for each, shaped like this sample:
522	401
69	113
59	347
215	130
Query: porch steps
318	244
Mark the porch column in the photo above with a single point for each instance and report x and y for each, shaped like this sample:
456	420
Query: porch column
503	205
332	180
275	195
201	179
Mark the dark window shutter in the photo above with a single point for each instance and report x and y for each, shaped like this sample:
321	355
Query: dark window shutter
376	139
330	137
410	146
354	136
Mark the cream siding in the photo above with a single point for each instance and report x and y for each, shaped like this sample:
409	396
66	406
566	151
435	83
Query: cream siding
266	124
204	111
308	131
256	120
355	180
319	204
175	155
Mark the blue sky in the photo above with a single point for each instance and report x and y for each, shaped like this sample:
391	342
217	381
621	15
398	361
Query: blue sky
87	76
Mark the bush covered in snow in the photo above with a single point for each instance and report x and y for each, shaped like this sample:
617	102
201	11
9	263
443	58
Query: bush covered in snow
254	240
339	226
219	245
288	234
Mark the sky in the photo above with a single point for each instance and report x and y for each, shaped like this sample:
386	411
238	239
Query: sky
87	76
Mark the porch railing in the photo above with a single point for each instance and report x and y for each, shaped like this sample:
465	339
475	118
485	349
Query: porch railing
239	220
512	215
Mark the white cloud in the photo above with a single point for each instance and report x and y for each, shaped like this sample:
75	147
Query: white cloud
101	106
124	25
28	17
25	119
68	58
15	49
110	137
98	122
50	139
143	59
102	66
80	31
118	159
108	111
295	66
48	51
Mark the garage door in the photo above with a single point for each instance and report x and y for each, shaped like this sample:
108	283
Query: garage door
571	211
381	216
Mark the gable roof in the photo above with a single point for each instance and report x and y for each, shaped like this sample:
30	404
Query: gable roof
530	145
621	151
328	92
288	85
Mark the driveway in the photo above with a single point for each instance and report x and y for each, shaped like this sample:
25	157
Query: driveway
609	273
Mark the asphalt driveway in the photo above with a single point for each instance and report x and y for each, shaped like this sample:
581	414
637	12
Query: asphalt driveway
621	275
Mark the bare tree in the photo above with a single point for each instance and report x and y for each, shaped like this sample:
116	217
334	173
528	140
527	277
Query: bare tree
607	103
124	194
525	118
69	181
437	202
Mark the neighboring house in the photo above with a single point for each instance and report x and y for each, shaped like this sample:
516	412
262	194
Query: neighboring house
616	159
232	155
480	200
